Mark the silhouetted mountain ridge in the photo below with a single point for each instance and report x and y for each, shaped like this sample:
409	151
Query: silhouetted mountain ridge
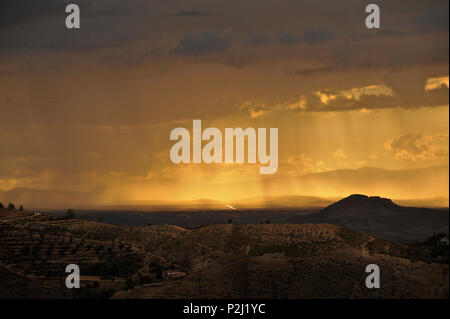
362	206
362	201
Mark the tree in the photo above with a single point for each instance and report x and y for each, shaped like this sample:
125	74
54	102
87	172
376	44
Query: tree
129	284
70	214
11	206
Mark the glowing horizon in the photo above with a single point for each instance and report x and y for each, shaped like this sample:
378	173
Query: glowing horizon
91	111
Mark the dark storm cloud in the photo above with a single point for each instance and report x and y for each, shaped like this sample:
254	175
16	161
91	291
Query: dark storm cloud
313	35
436	16
258	40
16	12
382	50
202	43
317	35
19	12
290	39
192	13
23	11
40	25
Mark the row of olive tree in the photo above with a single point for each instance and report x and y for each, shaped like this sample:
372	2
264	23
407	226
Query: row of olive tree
11	206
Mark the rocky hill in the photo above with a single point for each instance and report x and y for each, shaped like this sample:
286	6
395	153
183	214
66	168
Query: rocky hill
382	218
357	205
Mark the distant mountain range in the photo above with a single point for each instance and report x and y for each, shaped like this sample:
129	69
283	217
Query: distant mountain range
372	215
419	183
424	187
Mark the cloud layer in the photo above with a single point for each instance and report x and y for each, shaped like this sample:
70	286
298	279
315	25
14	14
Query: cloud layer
92	109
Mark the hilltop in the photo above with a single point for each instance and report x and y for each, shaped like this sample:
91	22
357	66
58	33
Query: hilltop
383	218
357	205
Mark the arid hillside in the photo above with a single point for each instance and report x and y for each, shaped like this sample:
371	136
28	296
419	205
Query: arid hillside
217	261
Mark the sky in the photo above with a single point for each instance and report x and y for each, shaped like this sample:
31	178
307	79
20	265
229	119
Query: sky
91	110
